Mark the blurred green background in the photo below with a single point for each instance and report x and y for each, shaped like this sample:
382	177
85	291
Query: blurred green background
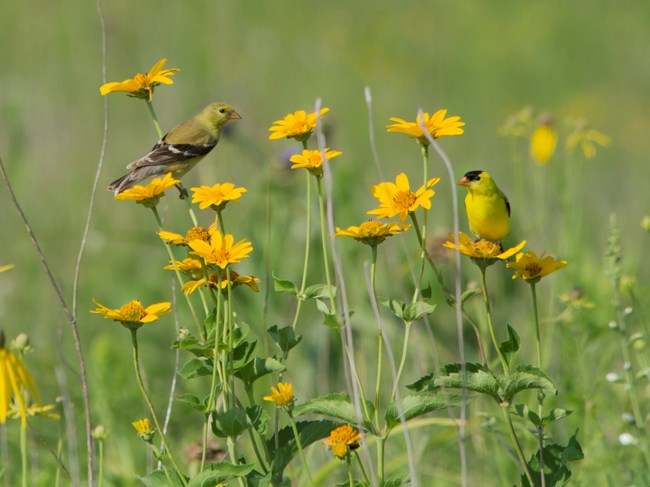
483	61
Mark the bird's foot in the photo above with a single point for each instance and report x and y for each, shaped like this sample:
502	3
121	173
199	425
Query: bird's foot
182	192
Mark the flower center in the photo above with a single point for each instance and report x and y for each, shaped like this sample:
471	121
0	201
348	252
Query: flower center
404	199
533	269
197	233
142	80
132	311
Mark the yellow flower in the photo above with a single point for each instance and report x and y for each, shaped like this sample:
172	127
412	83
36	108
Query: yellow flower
397	198
297	125
148	195
216	196
133	315
142	85
17	387
190	266
144	429
481	250
587	139
219	280
312	160
194	233
372	232
36	410
531	268
222	249
4	268
543	141
342	440
518	124
437	126
282	396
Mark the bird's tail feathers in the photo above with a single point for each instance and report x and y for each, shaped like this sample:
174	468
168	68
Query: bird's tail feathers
125	182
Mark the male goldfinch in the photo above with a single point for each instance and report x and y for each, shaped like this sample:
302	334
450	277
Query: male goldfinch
181	148
488	209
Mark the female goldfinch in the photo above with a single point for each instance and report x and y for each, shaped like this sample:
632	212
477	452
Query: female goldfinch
488	209
181	148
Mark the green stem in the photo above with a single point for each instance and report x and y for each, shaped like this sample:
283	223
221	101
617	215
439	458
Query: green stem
537	327
305	266
517	445
380	458
348	462
433	265
101	463
488	312
251	399
147	399
299	445
152	112
363	470
407	331
323	232
178	276
373	266
23	453
540	394
233	457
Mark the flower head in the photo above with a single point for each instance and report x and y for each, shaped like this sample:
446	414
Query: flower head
372	232
219	280
222	249
188	265
587	139
142	85
44	411
17	387
148	195
297	125
436	125
144	429
216	196
282	396
133	315
397	198
543	140
483	252
343	440
312	160
194	233
531	268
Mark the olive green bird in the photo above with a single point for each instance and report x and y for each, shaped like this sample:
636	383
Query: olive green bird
181	148
488	209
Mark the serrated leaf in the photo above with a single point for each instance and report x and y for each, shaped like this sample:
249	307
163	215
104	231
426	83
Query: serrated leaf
243	354
420	403
192	401
478	379
258	418
318	291
510	347
395	306
398	481
215	473
284	286
415	311
196	367
524	378
555	415
259	367
158	478
336	405
308	432
525	413
556	458
231	423
285	338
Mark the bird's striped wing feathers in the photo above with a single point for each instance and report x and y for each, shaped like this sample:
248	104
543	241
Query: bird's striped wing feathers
164	153
507	204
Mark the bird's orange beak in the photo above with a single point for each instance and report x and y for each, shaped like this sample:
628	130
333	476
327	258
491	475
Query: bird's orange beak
235	116
464	182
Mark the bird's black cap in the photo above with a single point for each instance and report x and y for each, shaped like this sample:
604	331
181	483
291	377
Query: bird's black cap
473	175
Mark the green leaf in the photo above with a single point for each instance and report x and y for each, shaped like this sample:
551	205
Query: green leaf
243	354
525	377
510	347
555	415
524	412
284	286
285	338
232	423
259	367
318	291
415	311
192	401
478	379
420	403
396	307
556	458
158	478
336	405
258	418
196	367
308	431
398	481
468	294
219	472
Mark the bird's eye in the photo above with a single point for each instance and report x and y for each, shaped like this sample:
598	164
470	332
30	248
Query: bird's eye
222	110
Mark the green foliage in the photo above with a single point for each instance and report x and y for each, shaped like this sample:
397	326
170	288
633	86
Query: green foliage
556	460
337	406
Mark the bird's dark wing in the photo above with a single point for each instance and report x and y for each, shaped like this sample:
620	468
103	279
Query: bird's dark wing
163	153
507	204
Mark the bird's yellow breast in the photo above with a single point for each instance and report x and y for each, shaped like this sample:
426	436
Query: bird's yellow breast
488	216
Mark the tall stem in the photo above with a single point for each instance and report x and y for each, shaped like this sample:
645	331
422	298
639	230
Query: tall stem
147	399
23	454
488	312
305	267
323	232
299	445
540	394
373	266
517	445
152	112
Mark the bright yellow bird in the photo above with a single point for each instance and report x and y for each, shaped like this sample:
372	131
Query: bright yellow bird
181	148
488	209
